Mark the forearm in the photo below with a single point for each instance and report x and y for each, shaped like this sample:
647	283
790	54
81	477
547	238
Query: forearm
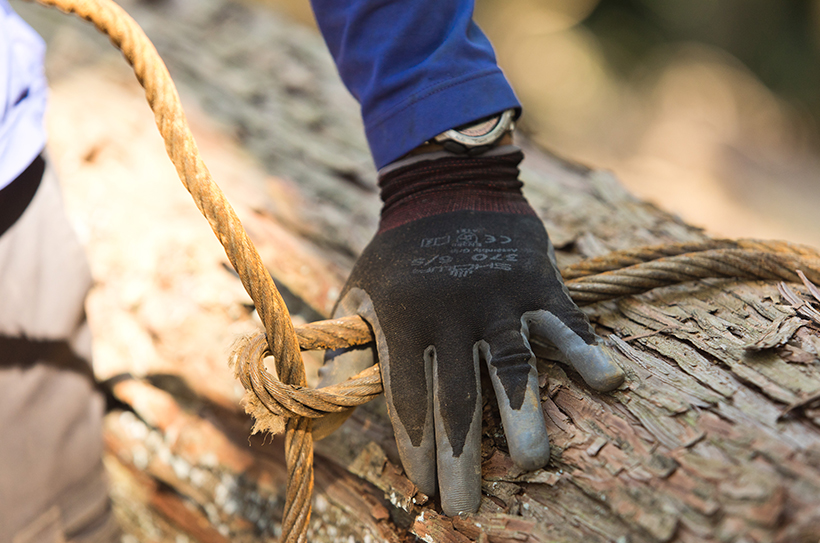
417	68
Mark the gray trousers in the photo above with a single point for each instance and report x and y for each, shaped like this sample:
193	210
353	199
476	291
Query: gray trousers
52	482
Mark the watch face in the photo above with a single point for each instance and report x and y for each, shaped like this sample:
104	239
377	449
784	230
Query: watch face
481	134
481	128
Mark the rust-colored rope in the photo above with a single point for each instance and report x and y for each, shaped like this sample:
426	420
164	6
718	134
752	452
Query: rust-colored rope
629	257
162	96
712	263
289	400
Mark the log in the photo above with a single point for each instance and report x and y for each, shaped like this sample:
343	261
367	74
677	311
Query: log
715	436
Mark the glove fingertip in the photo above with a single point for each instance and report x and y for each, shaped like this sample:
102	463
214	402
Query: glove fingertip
602	372
526	431
532	456
460	500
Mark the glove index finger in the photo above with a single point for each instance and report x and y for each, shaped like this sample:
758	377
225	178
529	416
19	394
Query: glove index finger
411	412
407	381
594	364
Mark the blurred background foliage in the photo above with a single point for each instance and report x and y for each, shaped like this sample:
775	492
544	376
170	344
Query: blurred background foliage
710	108
777	40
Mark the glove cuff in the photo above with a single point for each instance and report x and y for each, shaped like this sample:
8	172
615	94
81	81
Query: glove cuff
444	185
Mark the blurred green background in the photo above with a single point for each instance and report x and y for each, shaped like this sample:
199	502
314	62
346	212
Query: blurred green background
708	108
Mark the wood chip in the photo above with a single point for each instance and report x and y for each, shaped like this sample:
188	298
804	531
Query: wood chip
809	285
778	334
800	305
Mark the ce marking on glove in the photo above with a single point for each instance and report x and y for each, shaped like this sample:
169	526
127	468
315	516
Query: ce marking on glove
503	240
465	238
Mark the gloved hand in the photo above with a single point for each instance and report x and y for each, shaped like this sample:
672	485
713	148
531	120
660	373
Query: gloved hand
462	272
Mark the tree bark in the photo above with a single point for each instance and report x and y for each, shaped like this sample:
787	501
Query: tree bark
699	445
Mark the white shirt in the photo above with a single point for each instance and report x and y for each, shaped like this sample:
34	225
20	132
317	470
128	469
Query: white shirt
23	91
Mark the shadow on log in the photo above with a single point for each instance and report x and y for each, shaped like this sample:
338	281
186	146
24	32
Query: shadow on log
715	437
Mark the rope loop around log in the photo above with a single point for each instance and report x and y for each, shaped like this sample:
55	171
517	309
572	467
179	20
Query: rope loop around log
298	401
285	396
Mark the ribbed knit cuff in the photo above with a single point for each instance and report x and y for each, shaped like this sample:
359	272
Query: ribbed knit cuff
444	185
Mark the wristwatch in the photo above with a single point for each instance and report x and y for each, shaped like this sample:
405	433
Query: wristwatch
476	137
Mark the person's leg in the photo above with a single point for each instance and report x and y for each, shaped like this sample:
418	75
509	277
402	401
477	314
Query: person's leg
417	68
52	482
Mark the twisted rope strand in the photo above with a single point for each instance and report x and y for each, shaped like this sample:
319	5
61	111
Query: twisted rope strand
711	263
629	257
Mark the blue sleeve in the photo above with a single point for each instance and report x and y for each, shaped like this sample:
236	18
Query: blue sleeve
417	68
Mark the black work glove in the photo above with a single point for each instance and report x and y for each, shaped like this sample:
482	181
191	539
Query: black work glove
462	272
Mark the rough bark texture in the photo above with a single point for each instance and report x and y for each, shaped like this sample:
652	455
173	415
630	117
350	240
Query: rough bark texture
699	445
